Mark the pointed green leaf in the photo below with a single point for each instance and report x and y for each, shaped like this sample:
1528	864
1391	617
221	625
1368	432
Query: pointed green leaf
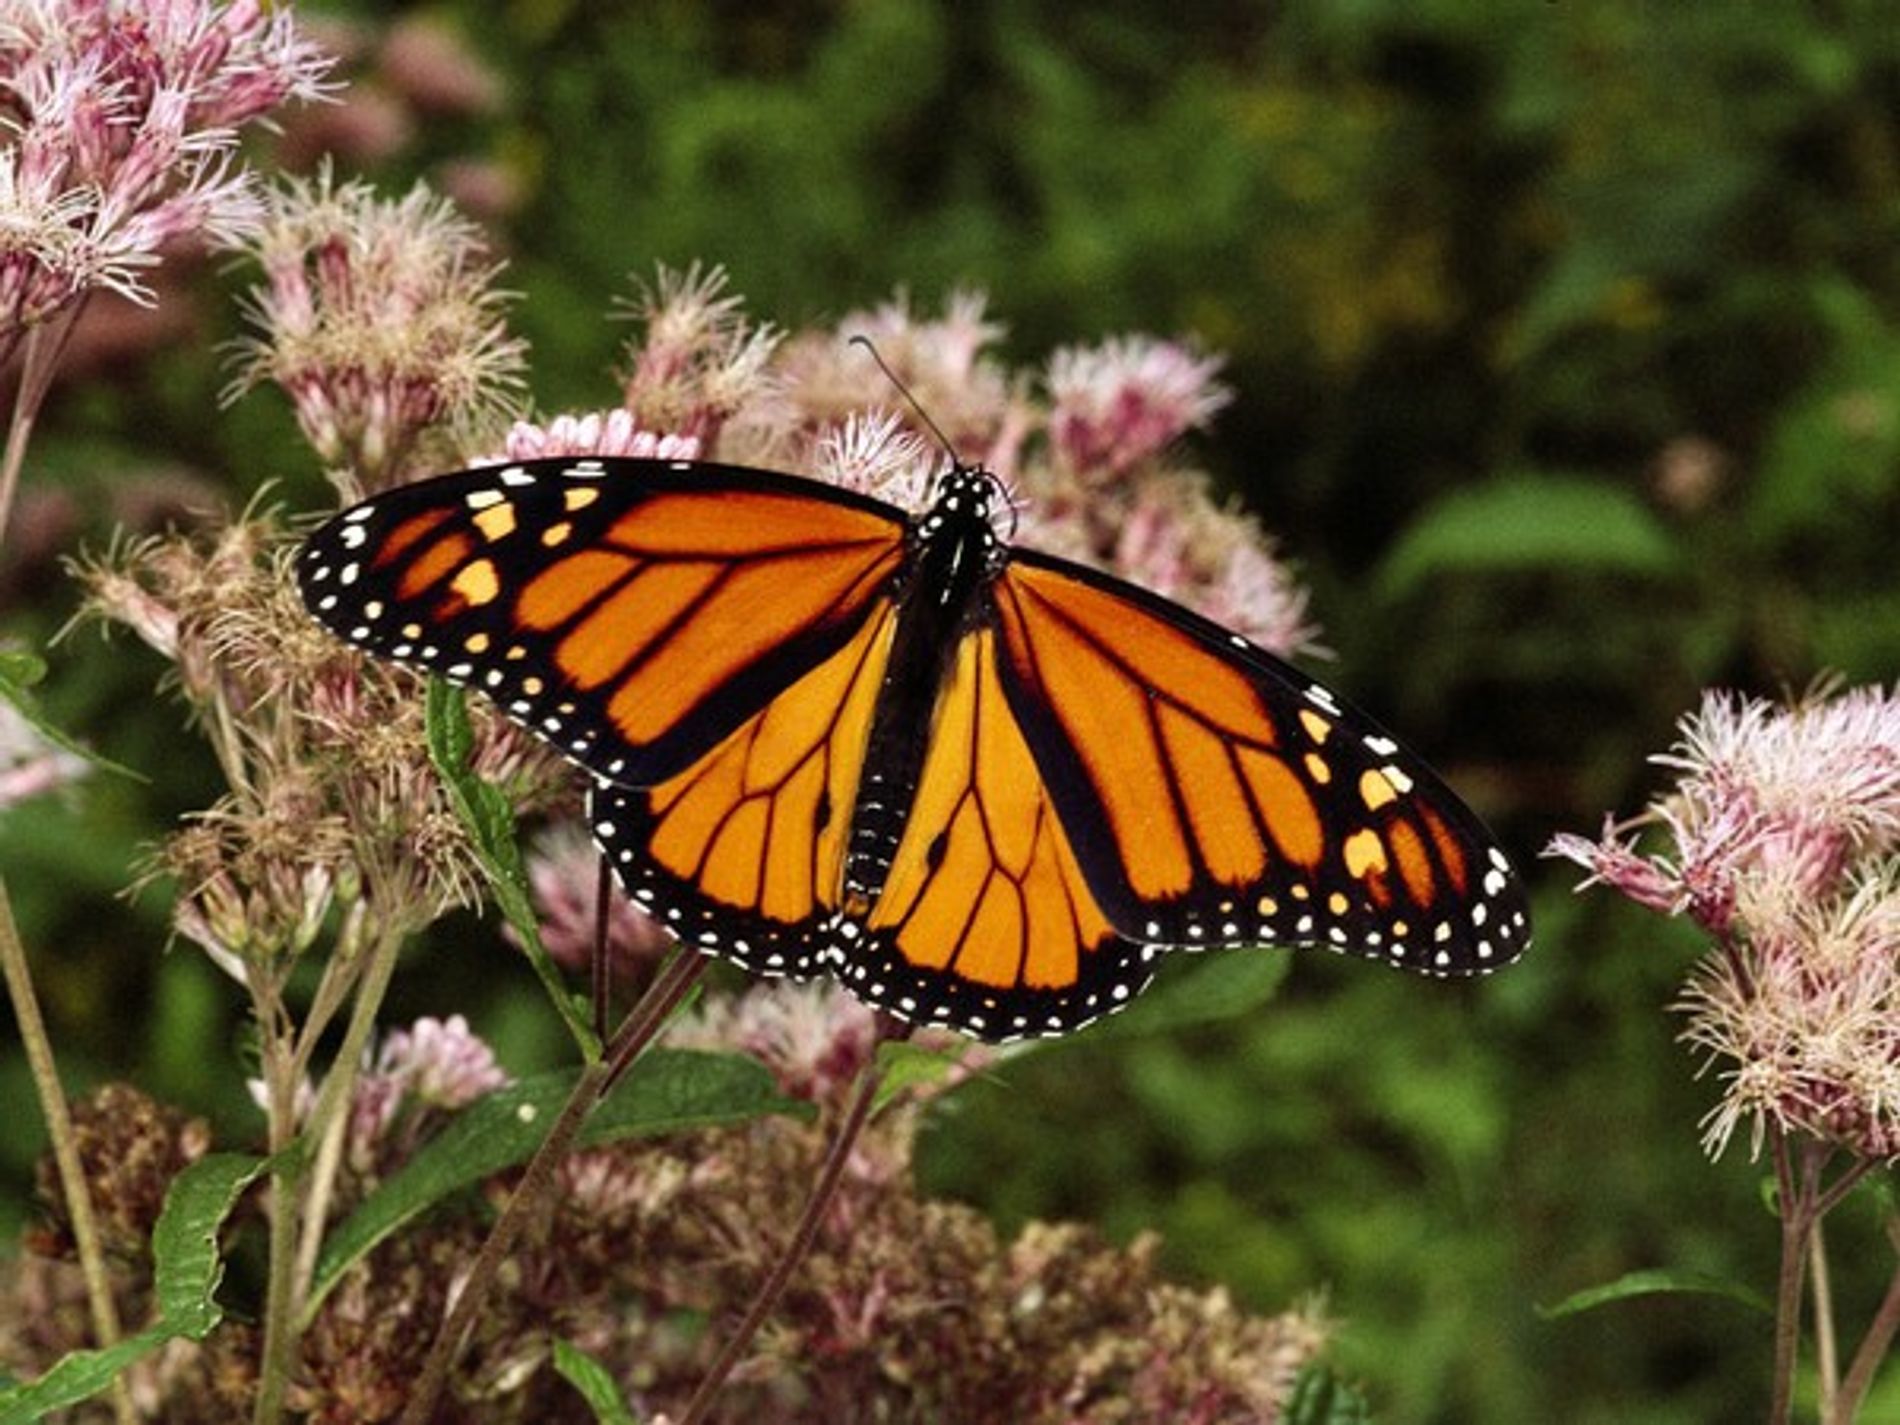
1321	1398
1533	522
596	1386
490	823
186	1272
186	1268
903	1065
19	672
666	1090
1653	1282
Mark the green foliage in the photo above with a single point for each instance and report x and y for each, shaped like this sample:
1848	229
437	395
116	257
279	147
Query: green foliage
596	1386
1191	990
665	1091
1656	1281
903	1065
490	821
186	1269
1321	1398
1529	523
20	671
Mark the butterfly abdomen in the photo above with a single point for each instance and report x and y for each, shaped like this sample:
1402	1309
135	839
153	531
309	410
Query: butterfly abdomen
955	557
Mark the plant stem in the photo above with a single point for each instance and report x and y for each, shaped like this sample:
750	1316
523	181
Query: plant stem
1871	1352
340	970
1826	1353
43	347
1795	1205
280	1258
317	1191
803	1236
639	1029
59	1128
1838	1189
302	1186
330	1117
1802	1205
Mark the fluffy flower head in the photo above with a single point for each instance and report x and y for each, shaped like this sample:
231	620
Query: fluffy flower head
123	121
1784	845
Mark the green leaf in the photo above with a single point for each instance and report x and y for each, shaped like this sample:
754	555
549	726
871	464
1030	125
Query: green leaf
903	1065
665	1090
1529	523
490	822
76	1376
186	1272
1200	988
21	669
1321	1398
1654	1282
186	1268
590	1378
19	672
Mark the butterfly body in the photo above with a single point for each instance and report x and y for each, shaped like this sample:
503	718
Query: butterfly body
982	786
954	555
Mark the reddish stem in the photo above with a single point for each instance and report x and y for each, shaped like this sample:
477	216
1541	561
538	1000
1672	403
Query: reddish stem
803	1236
531	1194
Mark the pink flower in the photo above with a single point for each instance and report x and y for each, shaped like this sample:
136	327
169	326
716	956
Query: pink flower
1616	863
594	433
827	380
814	1036
437	71
127	127
874	454
434	1066
379	319
563	878
1175	540
698	362
1783	830
440	1062
1123	402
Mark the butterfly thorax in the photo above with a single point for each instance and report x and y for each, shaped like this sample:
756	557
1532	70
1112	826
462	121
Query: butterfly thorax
955	556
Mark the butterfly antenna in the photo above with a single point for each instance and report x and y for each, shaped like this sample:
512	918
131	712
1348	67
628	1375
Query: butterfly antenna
904	391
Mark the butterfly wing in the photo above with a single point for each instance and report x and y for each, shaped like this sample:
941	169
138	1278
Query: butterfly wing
743	851
633	612
1103	772
1216	796
984	923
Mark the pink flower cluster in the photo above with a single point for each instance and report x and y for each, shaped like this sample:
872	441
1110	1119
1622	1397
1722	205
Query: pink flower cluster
380	320
124	118
433	1067
614	432
563	878
1123	402
1783	836
418	1074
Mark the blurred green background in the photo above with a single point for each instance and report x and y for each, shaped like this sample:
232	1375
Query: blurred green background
1565	343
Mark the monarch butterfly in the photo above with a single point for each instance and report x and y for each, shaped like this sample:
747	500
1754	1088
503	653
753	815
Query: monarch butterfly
982	786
